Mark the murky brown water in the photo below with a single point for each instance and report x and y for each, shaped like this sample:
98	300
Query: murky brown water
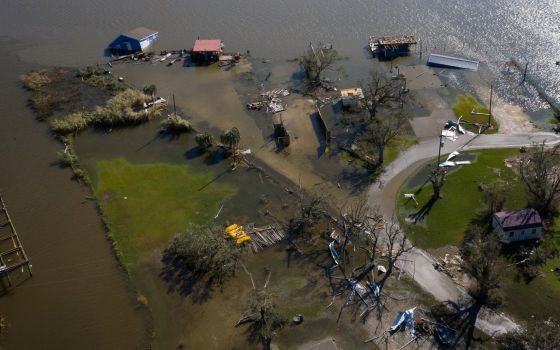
78	297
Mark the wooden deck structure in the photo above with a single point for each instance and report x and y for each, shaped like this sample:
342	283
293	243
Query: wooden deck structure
12	254
391	46
265	236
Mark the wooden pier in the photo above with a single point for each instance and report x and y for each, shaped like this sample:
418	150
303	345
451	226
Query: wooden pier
265	236
12	254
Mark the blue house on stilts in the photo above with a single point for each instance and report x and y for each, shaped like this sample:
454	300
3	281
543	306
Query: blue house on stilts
136	40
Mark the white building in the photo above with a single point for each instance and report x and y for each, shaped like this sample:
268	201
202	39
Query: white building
517	225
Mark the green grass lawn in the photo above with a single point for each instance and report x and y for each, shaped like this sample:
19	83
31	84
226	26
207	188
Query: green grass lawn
539	298
145	204
448	218
397	146
464	107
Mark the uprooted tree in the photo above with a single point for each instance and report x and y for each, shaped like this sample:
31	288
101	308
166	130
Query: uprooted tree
382	244
316	61
482	261
200	257
539	170
382	131
379	91
261	315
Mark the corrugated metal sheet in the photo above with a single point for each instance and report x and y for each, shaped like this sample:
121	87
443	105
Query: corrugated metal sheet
436	60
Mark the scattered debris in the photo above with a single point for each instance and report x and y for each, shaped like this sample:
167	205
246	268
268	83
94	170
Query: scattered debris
404	320
297	319
411	196
445	334
265	236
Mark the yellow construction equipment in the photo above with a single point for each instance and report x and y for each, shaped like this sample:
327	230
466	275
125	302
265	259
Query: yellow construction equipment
236	232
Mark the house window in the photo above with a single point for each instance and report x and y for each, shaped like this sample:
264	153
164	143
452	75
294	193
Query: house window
510	234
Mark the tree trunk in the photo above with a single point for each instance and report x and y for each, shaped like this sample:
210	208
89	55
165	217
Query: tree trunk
380	154
266	341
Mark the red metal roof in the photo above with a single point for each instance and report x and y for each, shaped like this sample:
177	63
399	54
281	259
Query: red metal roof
211	45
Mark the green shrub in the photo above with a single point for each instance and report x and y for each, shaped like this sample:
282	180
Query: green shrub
35	80
71	123
126	108
176	124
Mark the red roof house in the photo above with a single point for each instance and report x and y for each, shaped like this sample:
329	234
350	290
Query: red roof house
207	50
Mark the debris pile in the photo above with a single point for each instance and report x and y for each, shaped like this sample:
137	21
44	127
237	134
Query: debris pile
271	99
451	266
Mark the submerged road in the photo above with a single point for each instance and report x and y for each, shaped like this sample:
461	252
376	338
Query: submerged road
419	263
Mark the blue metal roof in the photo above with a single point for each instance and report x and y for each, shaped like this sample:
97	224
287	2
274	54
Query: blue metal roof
436	60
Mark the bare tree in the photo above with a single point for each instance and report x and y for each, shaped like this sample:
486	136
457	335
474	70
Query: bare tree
261	315
539	169
365	230
317	60
481	260
379	90
383	131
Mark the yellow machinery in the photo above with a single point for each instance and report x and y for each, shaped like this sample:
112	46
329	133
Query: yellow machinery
236	232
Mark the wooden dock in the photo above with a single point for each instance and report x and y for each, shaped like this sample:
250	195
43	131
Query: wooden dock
265	236
12	254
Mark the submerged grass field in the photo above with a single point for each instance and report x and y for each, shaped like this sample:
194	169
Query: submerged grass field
145	204
464	107
445	222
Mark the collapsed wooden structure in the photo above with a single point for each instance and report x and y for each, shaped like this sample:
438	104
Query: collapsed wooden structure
389	47
12	254
262	237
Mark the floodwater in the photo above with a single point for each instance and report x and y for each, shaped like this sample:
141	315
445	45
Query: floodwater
78	297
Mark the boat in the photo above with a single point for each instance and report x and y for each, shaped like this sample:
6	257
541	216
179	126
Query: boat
165	57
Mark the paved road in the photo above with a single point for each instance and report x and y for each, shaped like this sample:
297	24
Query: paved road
383	195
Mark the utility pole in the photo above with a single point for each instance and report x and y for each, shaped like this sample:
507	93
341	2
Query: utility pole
524	73
490	111
440	145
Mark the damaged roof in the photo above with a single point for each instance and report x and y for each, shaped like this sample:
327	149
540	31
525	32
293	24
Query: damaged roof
517	219
140	33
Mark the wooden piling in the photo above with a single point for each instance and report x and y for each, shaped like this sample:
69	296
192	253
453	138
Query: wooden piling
16	249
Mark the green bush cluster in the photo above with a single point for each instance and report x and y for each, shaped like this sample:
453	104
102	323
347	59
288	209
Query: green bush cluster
96	76
126	108
35	80
176	124
72	123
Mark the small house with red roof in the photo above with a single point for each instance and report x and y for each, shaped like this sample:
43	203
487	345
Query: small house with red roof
207	50
517	225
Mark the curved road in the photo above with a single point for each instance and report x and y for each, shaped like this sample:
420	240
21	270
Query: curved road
419	263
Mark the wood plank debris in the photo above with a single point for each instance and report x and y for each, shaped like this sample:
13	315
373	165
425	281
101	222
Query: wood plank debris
265	236
12	254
